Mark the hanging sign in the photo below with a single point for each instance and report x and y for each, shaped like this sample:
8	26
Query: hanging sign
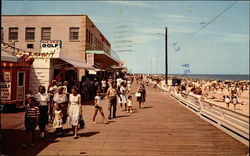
90	59
7	76
49	46
5	90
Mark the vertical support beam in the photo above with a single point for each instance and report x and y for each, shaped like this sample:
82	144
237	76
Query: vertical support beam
166	54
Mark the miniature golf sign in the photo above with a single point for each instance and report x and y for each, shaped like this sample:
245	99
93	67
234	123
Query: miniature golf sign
5	90
51	46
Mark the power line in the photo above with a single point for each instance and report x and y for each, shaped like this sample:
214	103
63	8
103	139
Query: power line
208	22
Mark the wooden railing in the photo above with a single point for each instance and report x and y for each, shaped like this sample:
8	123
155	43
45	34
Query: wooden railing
232	122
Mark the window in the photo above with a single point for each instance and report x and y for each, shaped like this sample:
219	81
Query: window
30	46
73	33
46	34
91	37
30	34
13	33
87	36
2	34
21	79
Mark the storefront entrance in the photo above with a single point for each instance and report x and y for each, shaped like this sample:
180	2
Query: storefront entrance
21	88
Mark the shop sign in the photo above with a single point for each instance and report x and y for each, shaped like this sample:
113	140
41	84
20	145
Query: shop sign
5	91
7	76
92	72
51	46
90	59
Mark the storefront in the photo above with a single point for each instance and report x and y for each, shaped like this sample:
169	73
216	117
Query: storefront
14	81
102	61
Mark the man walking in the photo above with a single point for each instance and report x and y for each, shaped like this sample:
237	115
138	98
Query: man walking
112	93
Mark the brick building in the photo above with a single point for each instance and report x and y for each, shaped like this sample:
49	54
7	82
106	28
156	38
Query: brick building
76	37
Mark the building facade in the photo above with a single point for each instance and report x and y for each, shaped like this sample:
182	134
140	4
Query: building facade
70	36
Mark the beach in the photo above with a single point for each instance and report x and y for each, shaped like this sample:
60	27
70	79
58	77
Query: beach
211	91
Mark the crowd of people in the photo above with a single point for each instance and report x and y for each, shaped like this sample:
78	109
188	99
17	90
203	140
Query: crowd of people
218	91
59	105
227	92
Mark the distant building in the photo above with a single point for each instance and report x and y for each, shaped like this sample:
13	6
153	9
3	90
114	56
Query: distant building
79	47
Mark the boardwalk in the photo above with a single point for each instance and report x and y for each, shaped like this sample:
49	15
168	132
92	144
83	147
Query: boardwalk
164	127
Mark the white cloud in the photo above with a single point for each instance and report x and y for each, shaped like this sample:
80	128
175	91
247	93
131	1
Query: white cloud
130	3
142	38
234	38
222	37
181	29
150	30
173	18
101	20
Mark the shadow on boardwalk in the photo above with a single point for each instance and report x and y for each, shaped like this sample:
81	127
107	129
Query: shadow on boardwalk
12	140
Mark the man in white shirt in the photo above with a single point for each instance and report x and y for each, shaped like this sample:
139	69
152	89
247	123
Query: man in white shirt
112	93
118	81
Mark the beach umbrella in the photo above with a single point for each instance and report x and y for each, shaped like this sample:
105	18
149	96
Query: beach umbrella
227	81
242	81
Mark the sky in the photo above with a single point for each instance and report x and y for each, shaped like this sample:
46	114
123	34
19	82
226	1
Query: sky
136	31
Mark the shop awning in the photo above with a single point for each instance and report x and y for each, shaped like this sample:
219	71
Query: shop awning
8	57
77	63
117	67
104	57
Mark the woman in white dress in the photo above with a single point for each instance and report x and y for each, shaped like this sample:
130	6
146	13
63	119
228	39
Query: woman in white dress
74	110
123	98
129	85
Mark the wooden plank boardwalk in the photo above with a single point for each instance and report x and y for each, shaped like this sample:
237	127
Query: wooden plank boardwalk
163	128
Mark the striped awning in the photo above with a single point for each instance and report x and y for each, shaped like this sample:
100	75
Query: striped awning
8	57
77	63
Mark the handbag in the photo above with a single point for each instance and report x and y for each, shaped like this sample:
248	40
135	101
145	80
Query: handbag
138	94
81	122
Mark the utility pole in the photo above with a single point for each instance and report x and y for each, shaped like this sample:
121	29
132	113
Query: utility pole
156	63
166	54
151	66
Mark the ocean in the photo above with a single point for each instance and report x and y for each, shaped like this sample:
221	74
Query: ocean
222	77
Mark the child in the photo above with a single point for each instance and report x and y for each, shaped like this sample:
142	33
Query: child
130	104
29	94
98	106
227	100
57	123
31	120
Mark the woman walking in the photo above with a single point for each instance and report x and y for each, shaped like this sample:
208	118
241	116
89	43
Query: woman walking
142	98
123	98
75	110
44	107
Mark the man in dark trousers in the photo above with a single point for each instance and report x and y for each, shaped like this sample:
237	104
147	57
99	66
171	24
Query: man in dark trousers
112	95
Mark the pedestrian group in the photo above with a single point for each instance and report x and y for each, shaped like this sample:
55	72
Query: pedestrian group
57	106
